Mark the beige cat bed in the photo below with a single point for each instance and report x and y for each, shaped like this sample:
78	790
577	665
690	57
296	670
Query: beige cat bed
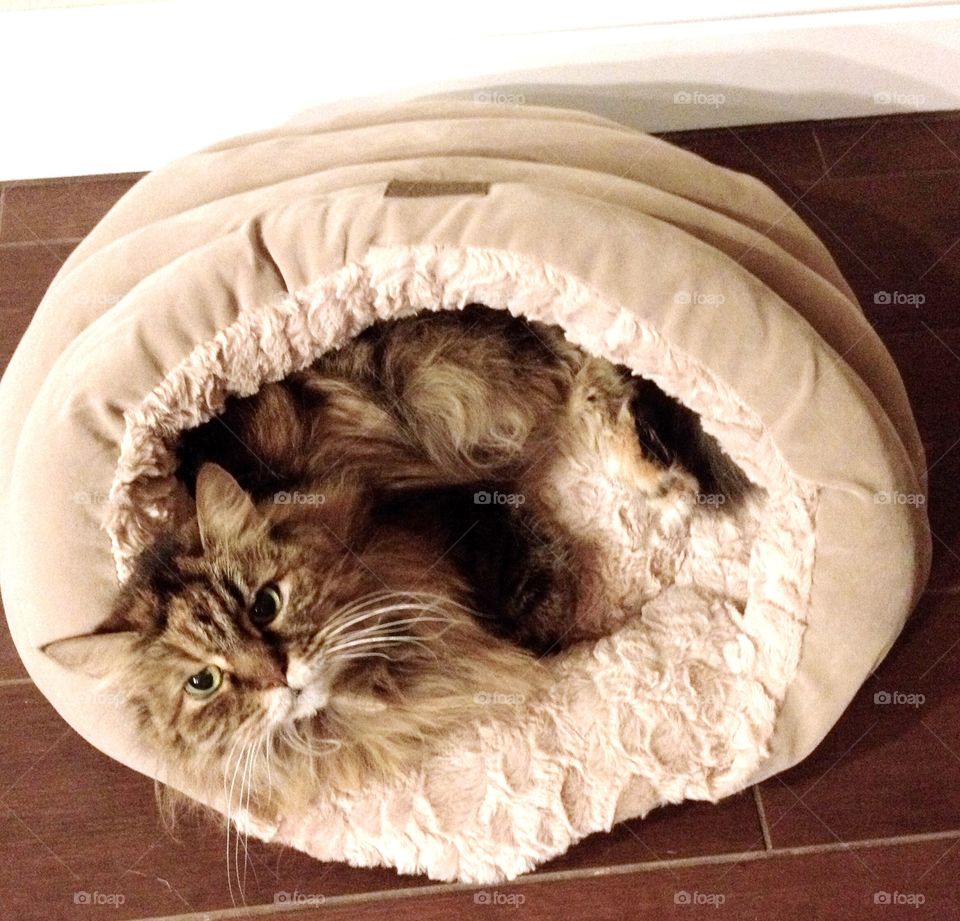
243	262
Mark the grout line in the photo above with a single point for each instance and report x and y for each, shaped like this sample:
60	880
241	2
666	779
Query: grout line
13	682
534	879
14	244
762	814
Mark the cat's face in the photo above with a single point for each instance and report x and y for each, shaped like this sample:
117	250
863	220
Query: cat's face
276	629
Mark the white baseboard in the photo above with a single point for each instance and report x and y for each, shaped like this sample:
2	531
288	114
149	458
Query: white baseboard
127	86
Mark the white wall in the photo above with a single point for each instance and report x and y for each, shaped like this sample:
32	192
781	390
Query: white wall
124	86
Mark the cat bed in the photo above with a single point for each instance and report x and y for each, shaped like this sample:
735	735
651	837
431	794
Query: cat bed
243	262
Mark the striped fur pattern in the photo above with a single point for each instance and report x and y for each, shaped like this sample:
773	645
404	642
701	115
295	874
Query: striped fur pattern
347	498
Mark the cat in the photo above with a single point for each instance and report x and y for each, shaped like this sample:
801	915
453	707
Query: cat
433	410
345	597
298	640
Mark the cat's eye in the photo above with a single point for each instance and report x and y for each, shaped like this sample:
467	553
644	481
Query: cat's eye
204	683
266	605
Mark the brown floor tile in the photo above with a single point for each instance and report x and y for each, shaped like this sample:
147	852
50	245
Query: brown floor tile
897	241
914	143
58	209
784	156
74	821
916	881
891	766
929	363
25	274
943	470
688	830
10	665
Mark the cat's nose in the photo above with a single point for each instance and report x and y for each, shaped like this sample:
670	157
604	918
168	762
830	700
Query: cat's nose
267	674
298	674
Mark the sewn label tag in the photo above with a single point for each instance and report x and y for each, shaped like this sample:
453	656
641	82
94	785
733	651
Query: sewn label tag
420	188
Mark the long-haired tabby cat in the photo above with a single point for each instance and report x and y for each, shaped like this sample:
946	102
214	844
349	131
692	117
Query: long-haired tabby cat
343	633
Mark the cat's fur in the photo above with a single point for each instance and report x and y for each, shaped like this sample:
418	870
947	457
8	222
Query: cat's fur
380	449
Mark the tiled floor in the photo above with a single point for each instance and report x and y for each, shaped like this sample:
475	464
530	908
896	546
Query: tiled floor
867	827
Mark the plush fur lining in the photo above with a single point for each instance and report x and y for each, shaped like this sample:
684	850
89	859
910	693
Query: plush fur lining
677	704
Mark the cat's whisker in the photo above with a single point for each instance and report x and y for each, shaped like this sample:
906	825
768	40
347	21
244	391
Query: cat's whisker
238	832
267	751
442	601
251	759
386	627
242	809
369	598
403	599
292	737
231	817
337	626
364	655
391	629
246	792
228	795
378	641
367	652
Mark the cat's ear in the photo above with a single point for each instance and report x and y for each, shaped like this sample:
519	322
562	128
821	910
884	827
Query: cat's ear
98	655
224	511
